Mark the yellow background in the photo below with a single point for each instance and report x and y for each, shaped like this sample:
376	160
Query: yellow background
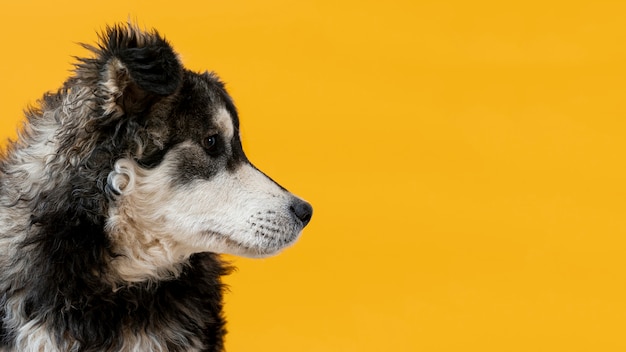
466	161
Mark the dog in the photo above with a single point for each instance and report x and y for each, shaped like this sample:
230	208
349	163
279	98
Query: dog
118	197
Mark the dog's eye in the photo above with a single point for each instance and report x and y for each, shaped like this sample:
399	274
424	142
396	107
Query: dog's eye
210	144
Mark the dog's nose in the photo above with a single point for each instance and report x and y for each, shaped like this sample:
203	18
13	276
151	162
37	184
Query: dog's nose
302	210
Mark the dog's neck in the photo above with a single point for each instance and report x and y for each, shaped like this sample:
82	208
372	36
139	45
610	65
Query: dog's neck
140	256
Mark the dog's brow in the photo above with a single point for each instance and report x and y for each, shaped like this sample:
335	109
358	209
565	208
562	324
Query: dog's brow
224	122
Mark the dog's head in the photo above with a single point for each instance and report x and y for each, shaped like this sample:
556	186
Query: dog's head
178	182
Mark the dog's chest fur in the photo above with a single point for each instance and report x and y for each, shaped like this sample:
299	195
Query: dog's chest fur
183	314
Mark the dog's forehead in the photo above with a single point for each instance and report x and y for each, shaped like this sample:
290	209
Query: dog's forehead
210	87
205	103
201	91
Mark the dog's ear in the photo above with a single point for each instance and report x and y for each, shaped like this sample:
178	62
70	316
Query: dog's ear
131	69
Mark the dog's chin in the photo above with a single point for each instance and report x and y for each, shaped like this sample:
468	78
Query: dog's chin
263	252
259	248
258	252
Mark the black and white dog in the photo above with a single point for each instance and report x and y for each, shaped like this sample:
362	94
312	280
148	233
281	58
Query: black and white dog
116	199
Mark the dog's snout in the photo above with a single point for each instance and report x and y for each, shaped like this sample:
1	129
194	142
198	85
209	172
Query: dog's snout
302	210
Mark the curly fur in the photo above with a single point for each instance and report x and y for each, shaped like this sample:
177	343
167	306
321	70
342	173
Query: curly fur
116	199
